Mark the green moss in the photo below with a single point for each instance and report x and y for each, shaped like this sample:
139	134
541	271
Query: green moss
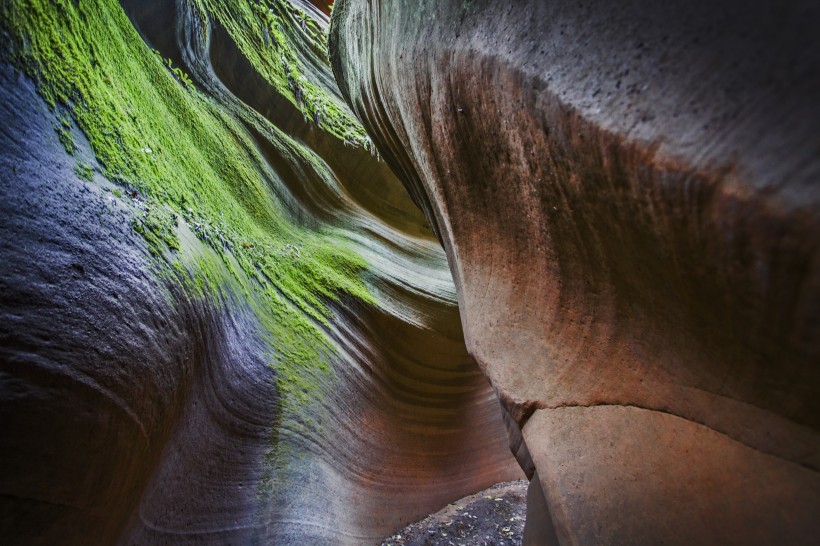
267	33
158	225
86	172
183	157
180	75
66	139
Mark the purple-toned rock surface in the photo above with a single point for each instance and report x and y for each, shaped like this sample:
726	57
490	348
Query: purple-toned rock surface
139	409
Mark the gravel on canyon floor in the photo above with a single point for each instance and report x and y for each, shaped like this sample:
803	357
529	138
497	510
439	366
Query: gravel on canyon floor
493	517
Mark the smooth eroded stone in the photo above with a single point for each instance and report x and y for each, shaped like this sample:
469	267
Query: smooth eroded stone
627	194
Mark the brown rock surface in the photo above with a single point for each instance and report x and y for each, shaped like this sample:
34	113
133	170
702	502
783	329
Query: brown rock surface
627	194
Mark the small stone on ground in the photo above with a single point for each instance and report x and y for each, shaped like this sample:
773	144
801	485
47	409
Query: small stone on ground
493	517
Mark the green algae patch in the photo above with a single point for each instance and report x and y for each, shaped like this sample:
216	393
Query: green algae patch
285	46
63	130
157	224
182	158
84	171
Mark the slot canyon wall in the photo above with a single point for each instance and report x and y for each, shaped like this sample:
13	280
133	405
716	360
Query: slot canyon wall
627	193
223	320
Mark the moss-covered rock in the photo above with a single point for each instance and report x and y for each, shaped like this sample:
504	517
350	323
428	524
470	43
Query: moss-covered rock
223	320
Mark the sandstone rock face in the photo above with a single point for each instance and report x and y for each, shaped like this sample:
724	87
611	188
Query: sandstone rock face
627	195
222	319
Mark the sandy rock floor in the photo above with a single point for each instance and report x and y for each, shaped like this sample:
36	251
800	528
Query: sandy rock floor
493	517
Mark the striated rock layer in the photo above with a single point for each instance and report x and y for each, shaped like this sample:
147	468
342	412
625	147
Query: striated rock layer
627	195
223	320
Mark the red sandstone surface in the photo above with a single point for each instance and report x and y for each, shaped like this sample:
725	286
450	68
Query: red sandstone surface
627	194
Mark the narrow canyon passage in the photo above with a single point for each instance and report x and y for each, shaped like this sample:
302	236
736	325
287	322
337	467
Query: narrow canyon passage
291	272
245	334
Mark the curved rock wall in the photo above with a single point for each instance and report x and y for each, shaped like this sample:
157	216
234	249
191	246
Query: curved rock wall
627	194
222	318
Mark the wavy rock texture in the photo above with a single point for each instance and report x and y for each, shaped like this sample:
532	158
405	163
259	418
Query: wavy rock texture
223	321
627	194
